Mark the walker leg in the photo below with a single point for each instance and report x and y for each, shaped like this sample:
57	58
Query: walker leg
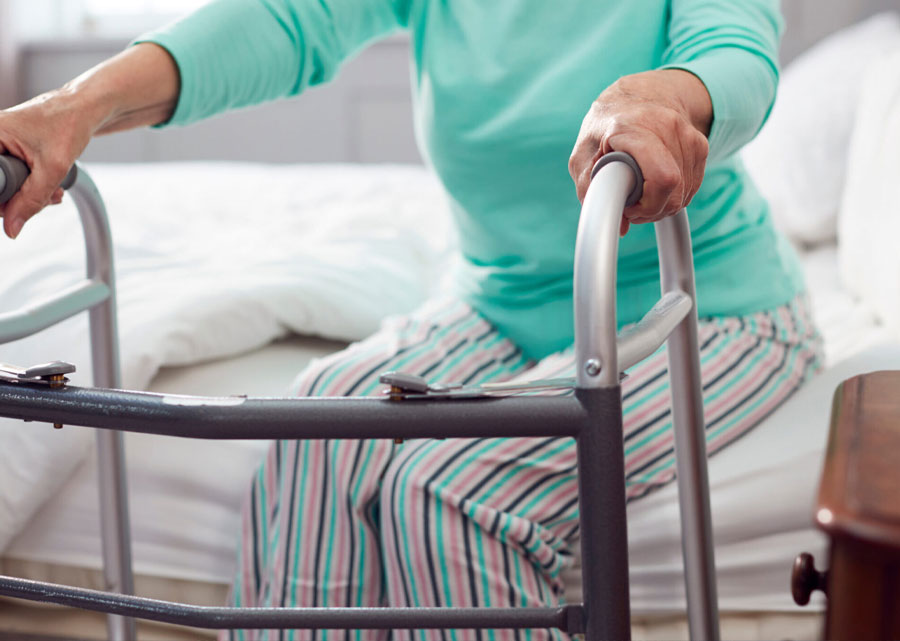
112	482
601	510
676	268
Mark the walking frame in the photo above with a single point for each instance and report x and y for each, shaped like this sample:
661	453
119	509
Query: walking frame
411	409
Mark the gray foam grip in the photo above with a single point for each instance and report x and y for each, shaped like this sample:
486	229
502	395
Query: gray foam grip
628	159
13	173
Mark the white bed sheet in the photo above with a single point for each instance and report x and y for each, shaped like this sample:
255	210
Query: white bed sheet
185	516
213	259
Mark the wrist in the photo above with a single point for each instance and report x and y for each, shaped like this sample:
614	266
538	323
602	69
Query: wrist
674	89
692	96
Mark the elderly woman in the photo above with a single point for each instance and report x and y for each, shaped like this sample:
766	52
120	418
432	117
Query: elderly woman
503	89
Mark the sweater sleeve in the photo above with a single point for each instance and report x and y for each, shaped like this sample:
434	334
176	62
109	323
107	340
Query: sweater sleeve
236	53
732	47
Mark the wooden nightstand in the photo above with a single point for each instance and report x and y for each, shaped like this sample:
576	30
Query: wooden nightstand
859	508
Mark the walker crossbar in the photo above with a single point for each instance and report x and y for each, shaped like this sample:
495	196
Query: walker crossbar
566	618
592	416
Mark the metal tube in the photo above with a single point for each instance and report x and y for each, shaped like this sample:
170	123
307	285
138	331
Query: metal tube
639	341
602	520
677	273
596	257
43	314
292	418
112	481
566	618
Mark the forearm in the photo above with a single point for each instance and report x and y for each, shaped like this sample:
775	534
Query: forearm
136	88
733	48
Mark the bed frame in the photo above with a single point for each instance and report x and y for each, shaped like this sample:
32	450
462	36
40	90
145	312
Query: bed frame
411	409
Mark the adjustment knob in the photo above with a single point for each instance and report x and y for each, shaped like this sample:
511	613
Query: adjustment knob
805	579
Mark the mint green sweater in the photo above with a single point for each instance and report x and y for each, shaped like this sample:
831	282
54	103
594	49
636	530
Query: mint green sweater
500	88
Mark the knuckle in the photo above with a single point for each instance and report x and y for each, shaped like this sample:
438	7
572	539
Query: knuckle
573	166
57	165
701	145
668	178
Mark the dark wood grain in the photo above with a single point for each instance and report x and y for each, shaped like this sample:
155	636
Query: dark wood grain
859	508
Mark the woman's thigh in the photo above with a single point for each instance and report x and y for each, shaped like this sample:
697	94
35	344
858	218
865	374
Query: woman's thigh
310	526
444	340
749	366
475	522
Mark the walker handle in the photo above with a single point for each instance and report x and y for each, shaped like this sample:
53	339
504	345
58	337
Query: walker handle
14	171
600	354
620	156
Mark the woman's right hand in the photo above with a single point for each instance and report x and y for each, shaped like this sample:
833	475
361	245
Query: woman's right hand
48	133
138	87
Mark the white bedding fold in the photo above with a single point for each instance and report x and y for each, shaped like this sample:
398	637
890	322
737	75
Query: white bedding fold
214	259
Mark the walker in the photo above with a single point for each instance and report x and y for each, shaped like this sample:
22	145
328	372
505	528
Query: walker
410	409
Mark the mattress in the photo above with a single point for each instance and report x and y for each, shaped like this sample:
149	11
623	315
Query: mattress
185	515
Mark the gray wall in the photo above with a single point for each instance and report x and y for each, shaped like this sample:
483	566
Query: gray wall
364	116
810	20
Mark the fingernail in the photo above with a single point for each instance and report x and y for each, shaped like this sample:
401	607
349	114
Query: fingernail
15	227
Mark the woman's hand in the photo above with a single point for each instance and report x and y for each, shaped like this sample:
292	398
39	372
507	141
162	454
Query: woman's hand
138	87
661	118
48	133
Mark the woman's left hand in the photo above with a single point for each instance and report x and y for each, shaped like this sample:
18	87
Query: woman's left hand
659	117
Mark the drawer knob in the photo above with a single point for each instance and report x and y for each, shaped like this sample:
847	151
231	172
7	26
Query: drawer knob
805	579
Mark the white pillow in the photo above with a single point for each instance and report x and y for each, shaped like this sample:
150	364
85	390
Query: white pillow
869	220
798	160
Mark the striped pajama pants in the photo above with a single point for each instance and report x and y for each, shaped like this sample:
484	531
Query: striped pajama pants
484	522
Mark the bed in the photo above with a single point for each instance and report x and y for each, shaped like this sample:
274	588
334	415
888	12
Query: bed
303	259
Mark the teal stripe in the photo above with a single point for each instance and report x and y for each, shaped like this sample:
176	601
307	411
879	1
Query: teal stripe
517	561
401	506
773	387
240	634
300	495
739	417
488	446
523	465
362	529
422	349
460	356
734	380
442	558
329	550
325	385
264	520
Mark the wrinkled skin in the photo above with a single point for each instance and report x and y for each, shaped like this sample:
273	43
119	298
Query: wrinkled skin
661	118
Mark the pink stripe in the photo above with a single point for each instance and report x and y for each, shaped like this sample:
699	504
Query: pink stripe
735	430
340	534
492	559
560	459
458	560
754	417
762	370
465	368
711	411
382	456
356	374
430	357
270	483
248	598
530	588
309	506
